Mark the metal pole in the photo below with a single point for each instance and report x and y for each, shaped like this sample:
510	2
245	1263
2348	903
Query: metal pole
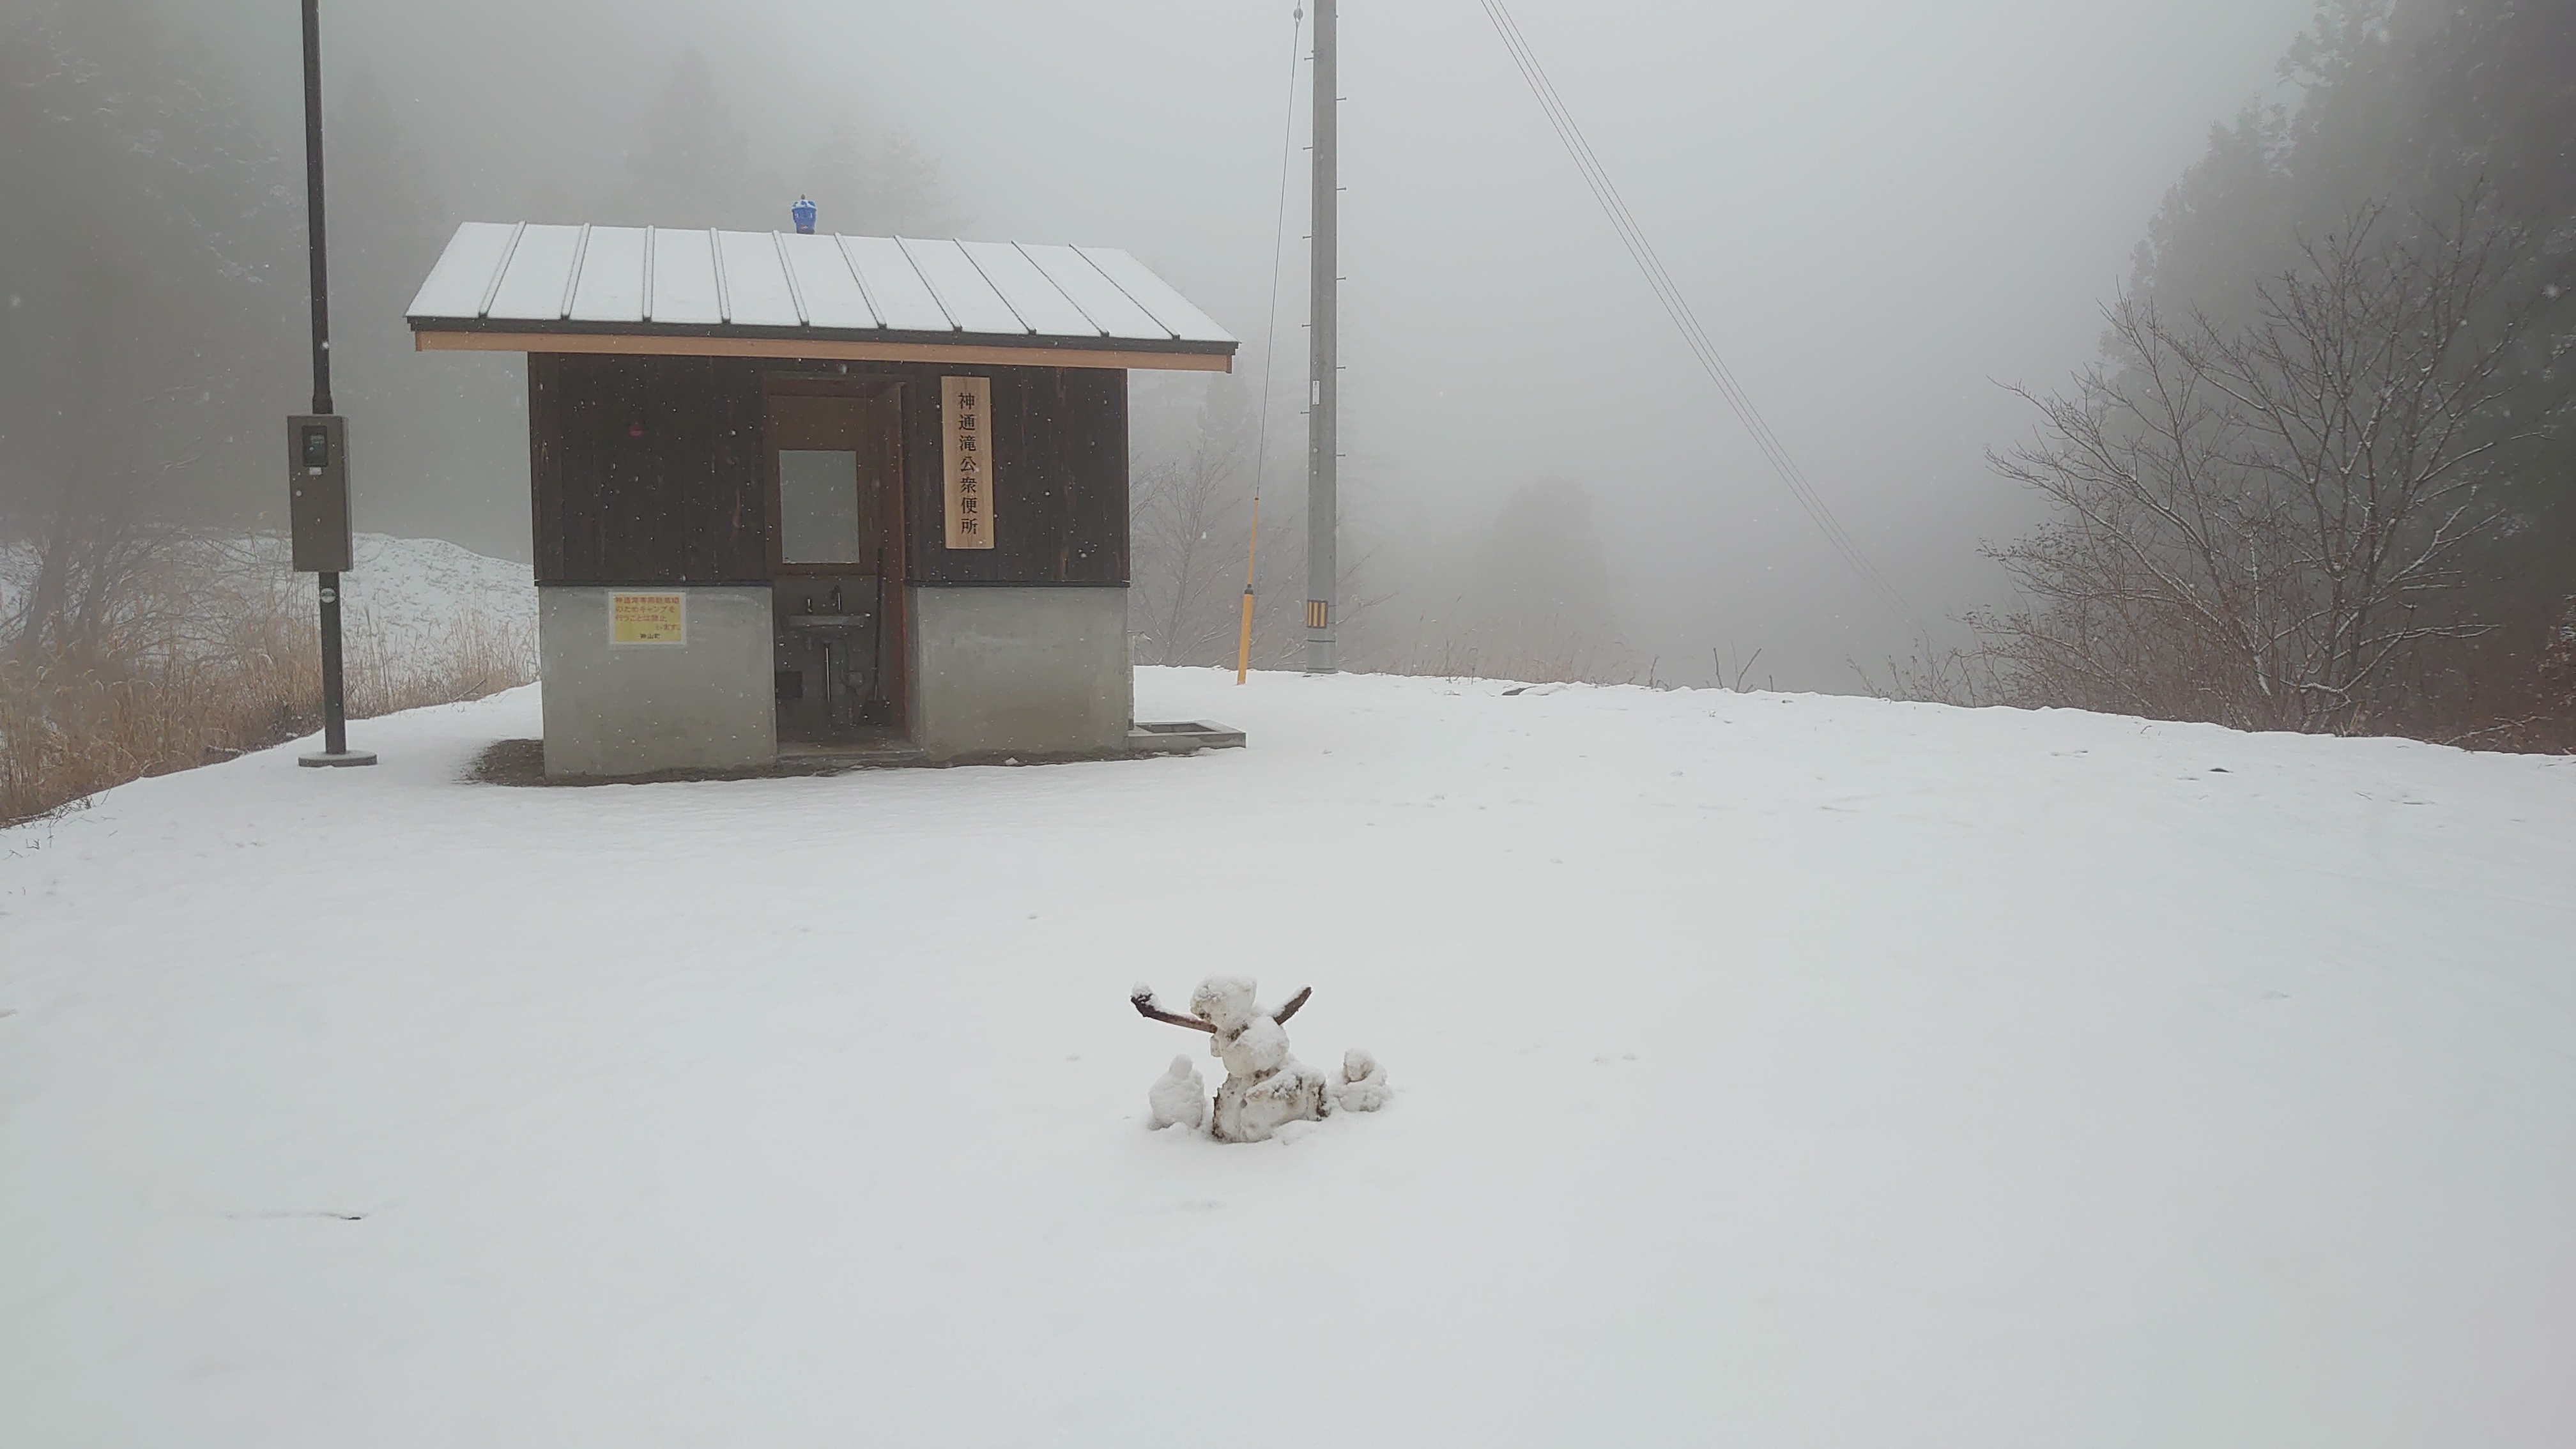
335	715
313	205
1323	563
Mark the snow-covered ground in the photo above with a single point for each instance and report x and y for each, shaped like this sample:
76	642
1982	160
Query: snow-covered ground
408	587
1770	1071
400	601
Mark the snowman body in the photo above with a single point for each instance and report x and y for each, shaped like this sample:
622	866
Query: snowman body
1265	1087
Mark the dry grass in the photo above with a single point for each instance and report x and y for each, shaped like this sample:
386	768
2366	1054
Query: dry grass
243	673
2481	694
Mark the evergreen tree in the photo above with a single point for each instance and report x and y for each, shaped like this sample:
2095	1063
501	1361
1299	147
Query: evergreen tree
890	189
1538	580
907	193
691	166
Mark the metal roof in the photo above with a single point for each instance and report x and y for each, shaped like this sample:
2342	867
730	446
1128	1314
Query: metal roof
538	288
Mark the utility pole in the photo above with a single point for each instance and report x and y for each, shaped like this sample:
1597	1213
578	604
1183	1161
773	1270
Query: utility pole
1323	405
317	443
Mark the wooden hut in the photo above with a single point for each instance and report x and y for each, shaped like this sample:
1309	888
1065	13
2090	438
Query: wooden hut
799	493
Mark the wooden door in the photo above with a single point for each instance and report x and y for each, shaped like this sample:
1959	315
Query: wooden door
835	483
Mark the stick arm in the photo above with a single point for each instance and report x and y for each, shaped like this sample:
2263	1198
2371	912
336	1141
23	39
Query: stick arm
1143	1001
1282	1014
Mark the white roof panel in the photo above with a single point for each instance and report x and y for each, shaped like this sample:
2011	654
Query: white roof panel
894	284
964	295
1035	300
756	293
512	278
611	285
1092	291
682	265
533	286
1156	296
824	282
456	285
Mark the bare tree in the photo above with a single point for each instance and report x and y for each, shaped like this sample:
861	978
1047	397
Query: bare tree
145	233
2263	525
1189	517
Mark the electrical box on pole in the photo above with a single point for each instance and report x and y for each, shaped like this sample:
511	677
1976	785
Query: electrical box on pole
318	493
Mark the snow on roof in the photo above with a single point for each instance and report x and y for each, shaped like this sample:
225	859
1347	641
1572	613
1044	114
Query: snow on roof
526	280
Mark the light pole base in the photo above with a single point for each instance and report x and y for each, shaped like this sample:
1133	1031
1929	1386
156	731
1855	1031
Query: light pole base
330	759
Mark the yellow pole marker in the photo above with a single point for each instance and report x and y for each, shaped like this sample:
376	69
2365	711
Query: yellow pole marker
1243	641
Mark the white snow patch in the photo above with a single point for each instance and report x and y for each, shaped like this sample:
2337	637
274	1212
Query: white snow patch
414	585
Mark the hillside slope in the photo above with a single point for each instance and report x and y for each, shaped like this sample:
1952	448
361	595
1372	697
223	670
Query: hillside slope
401	589
1771	1070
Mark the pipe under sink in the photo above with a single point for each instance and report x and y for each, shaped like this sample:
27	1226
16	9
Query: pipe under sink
833	633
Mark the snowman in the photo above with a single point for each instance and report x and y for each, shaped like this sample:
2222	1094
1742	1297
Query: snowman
1264	1086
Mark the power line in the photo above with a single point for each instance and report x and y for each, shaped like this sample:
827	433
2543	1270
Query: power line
1596	177
1269	349
1278	250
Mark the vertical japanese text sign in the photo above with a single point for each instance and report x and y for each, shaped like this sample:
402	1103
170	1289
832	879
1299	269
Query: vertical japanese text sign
966	418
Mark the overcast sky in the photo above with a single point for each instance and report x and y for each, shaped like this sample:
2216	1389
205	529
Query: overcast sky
1877	209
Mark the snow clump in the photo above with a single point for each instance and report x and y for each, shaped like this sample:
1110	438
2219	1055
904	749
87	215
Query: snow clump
1178	1097
1363	1085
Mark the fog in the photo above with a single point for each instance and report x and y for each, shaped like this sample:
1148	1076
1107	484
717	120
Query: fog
1879	211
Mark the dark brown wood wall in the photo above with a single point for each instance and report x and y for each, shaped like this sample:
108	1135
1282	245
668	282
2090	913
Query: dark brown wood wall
686	502
683	502
1059	480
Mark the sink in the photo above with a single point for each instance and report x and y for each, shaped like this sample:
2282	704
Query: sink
831	623
846	640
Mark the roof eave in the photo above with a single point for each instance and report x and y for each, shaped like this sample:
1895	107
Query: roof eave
439	334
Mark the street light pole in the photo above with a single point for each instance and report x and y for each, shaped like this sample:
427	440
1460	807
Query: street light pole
318	443
315	249
1323	484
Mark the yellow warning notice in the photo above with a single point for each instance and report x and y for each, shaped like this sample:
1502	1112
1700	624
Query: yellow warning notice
647	619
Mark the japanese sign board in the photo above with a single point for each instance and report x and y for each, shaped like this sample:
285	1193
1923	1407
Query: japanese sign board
648	619
965	417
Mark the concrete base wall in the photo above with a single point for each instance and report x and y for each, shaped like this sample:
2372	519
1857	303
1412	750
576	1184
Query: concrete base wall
707	704
1035	670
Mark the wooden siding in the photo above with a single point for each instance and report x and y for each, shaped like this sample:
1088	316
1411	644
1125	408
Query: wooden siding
684	502
687	502
1059	440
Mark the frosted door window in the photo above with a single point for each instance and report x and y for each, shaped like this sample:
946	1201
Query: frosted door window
818	507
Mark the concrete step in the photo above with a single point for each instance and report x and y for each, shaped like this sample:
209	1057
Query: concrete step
1182	736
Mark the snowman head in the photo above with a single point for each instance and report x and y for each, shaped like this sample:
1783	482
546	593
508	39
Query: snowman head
1224	1000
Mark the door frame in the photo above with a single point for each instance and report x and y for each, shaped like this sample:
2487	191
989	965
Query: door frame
893	523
